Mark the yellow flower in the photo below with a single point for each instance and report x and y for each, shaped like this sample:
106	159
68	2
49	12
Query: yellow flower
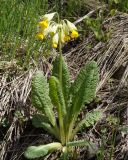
55	40
72	28
45	20
43	24
74	34
54	45
57	32
40	36
67	38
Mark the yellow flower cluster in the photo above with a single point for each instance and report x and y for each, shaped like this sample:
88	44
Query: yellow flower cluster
63	31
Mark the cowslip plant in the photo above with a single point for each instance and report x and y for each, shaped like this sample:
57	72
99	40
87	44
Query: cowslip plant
60	101
60	31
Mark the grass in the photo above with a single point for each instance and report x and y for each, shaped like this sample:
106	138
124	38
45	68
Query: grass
18	25
19	19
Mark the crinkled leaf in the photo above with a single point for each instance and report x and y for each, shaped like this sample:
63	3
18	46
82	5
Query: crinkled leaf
90	119
40	96
84	87
33	152
65	75
38	119
41	121
56	95
47	127
79	143
42	150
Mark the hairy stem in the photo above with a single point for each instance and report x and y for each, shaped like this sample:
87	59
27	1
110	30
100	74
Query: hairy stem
61	123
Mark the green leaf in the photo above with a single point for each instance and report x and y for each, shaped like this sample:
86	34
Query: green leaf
79	143
58	100
82	92
41	121
113	12
84	87
124	130
90	119
38	119
42	150
83	73
64	154
47	127
65	75
33	152
116	1
56	95
40	96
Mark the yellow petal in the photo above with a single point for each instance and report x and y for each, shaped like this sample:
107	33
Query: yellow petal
74	34
40	36
67	38
43	24
54	45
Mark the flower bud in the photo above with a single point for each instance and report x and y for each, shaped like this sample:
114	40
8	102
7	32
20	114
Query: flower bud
55	40
71	26
49	16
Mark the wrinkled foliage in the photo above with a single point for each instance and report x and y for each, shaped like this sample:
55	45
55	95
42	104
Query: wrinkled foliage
68	100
